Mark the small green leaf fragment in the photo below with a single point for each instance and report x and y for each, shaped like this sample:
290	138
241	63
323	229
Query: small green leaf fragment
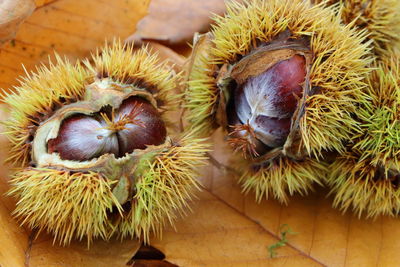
285	230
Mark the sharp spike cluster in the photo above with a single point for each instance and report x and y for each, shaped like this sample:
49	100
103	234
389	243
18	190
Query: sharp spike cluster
379	18
145	71
85	200
282	178
366	178
165	189
68	205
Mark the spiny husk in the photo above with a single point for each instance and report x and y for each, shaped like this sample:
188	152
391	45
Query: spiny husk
339	65
366	178
340	62
284	177
68	205
202	93
165	188
379	17
80	203
355	186
379	136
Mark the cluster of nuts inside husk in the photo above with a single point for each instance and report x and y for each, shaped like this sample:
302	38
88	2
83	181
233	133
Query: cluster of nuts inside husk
99	156
299	95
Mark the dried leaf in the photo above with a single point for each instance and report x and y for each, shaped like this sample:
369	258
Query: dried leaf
216	234
175	21
40	3
12	14
13	240
101	253
72	28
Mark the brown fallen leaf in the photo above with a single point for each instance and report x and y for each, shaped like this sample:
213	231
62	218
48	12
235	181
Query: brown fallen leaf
13	240
101	254
175	21
216	234
12	14
40	3
72	28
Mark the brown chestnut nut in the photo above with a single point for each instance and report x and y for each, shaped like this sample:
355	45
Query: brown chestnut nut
83	137
135	125
264	105
150	129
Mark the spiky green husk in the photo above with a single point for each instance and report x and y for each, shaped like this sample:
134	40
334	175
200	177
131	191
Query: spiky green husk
165	189
361	186
202	93
78	204
366	178
379	138
68	205
283	177
379	17
341	61
339	65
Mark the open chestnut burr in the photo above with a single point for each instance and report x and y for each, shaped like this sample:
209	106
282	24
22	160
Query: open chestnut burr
282	79
95	152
